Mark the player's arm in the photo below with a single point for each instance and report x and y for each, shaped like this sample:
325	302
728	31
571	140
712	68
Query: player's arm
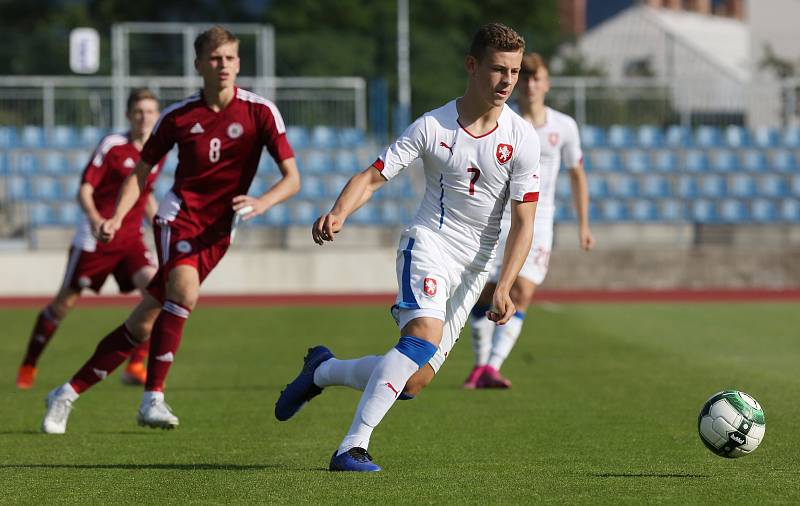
86	201
518	245
132	187
357	192
580	198
288	185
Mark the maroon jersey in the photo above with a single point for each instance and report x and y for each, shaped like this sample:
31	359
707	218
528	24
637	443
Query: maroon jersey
113	161
218	154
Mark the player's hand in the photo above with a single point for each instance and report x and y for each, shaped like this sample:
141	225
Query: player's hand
325	227
242	202
108	230
586	238
503	307
95	227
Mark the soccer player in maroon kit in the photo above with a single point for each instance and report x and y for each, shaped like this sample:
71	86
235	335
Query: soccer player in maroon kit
127	257
220	132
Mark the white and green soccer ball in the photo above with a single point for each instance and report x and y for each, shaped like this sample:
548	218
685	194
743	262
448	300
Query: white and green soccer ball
731	424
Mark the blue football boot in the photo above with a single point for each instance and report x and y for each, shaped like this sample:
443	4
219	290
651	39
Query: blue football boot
302	389
354	459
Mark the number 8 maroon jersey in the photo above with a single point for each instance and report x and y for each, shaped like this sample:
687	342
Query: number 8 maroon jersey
218	154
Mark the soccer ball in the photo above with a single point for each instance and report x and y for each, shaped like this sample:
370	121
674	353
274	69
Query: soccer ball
731	424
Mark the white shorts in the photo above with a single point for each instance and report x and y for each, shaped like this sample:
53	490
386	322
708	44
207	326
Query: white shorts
432	285
535	267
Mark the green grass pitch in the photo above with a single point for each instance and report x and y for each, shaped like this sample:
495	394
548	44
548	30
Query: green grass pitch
603	411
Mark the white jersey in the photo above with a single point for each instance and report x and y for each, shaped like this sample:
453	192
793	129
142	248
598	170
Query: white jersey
469	179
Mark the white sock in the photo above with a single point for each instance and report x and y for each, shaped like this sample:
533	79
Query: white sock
66	391
386	383
350	373
148	396
505	336
481	329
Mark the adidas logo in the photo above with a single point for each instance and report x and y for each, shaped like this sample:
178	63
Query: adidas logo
166	357
197	129
100	373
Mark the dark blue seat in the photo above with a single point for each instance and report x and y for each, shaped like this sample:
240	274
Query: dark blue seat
655	186
625	186
665	160
89	136
650	136
55	162
18	188
347	162
369	214
620	136
63	136
754	160
794	184
277	216
724	160
695	161
68	214
677	136
613	210
733	211
315	162
784	161
563	189
636	160
790	210
743	186
791	137
672	210
69	186
25	163
772	186
312	187
765	137
736	136
302	212
598	186
704	211
324	137
707	137
686	187
79	159
764	211
8	137
644	210
45	188
592	136
40	213
32	136
351	137
298	137
564	211
4	165
713	186
605	160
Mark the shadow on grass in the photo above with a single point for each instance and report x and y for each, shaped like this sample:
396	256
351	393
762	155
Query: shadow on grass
164	467
649	475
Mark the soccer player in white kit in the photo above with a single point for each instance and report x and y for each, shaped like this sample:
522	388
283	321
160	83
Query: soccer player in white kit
477	155
559	139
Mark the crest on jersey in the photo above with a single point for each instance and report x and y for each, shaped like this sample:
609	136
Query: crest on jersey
504	152
197	129
429	286
235	130
553	138
128	163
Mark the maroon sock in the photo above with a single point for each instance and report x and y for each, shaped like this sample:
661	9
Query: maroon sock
140	353
110	353
165	337
46	325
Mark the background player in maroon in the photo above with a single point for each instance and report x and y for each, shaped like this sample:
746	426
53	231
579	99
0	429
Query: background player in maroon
220	132
126	257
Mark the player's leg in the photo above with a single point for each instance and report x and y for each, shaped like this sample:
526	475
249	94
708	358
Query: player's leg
481	330
110	353
182	292
43	330
135	372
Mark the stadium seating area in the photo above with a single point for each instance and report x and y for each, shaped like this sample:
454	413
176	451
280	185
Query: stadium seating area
645	174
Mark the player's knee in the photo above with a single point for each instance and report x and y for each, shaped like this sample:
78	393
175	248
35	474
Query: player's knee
416	384
521	294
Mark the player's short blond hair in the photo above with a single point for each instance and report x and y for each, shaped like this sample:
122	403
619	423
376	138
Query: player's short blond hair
138	94
496	36
532	62
212	39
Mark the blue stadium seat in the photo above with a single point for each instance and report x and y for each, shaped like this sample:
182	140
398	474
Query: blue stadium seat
713	186
605	160
598	186
312	187
259	186
764	211
18	188
791	137
686	187
790	210
63	136
32	136
302	212
25	163
620	136
69	186
772	186
672	210
563	189
4	165
56	162
625	186
654	186
665	160
40	213
644	210
298	137
695	160
703	211
335	184
784	161
68	214
795	185
324	137
649	136
733	211
315	162
564	211
8	137
765	137
743	186
592	136
89	136
754	160
677	136
347	162
80	158
394	213
369	214
277	216
707	137
351	137
45	188
613	210
636	160
736	136
724	160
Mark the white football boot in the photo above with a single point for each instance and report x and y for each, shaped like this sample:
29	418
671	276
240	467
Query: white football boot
59	404
154	412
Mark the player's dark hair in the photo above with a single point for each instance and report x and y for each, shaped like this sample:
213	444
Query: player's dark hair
497	36
138	94
212	39
531	63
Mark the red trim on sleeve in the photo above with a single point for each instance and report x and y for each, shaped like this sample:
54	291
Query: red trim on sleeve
531	197
378	164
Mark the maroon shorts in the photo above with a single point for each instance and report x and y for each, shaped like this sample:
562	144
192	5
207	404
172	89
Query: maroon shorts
89	269
177	246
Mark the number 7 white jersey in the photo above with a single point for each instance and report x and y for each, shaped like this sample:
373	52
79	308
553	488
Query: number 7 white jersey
468	178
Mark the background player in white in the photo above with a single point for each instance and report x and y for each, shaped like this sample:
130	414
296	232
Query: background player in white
559	139
477	154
